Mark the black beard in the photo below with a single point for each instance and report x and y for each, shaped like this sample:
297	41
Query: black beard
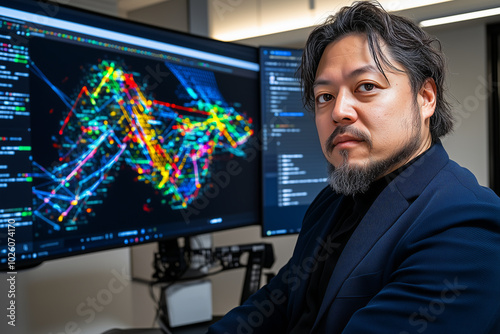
351	180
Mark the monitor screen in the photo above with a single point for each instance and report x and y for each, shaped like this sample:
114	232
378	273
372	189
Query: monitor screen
114	133
293	166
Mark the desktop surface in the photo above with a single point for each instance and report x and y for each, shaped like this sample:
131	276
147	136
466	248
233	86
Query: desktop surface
200	328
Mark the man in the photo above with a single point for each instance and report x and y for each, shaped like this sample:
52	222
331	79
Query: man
403	240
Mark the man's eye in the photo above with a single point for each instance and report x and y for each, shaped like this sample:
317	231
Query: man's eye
325	98
366	87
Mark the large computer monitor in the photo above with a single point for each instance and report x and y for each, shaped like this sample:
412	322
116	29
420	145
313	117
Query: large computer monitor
114	133
293	166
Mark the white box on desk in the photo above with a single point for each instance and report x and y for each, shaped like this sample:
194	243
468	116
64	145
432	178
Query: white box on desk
189	302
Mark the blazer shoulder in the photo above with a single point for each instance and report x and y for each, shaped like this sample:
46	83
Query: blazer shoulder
454	198
461	185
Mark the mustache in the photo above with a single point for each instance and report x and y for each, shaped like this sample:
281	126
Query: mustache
349	129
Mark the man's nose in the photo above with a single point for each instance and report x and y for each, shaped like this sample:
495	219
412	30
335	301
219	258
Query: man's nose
343	112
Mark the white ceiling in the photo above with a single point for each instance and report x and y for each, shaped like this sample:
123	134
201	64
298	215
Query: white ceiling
240	16
293	10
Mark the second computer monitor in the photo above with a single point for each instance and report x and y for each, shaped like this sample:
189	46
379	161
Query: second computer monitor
294	169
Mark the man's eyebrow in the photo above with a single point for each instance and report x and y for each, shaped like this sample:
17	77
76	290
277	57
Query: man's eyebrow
362	70
352	74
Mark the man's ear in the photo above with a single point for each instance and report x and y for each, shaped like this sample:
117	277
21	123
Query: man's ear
427	98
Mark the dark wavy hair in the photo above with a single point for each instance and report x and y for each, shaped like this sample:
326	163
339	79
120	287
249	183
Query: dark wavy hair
419	53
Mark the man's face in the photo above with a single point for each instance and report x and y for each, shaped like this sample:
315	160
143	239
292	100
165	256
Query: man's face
364	119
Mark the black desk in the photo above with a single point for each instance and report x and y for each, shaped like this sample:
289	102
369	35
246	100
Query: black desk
200	328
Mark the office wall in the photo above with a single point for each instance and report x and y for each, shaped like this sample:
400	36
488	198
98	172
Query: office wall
93	293
465	46
82	294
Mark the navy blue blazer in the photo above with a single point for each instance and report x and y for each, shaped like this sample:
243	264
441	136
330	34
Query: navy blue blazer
424	259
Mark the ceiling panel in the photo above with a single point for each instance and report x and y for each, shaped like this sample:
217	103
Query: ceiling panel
241	18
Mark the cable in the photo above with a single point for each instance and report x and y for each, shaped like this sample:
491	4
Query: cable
160	314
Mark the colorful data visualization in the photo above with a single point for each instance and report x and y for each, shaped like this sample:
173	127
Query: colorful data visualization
111	121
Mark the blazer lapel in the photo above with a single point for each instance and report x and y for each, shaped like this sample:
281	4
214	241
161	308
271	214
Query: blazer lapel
380	217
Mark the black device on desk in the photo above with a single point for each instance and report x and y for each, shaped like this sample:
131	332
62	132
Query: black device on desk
260	256
172	262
